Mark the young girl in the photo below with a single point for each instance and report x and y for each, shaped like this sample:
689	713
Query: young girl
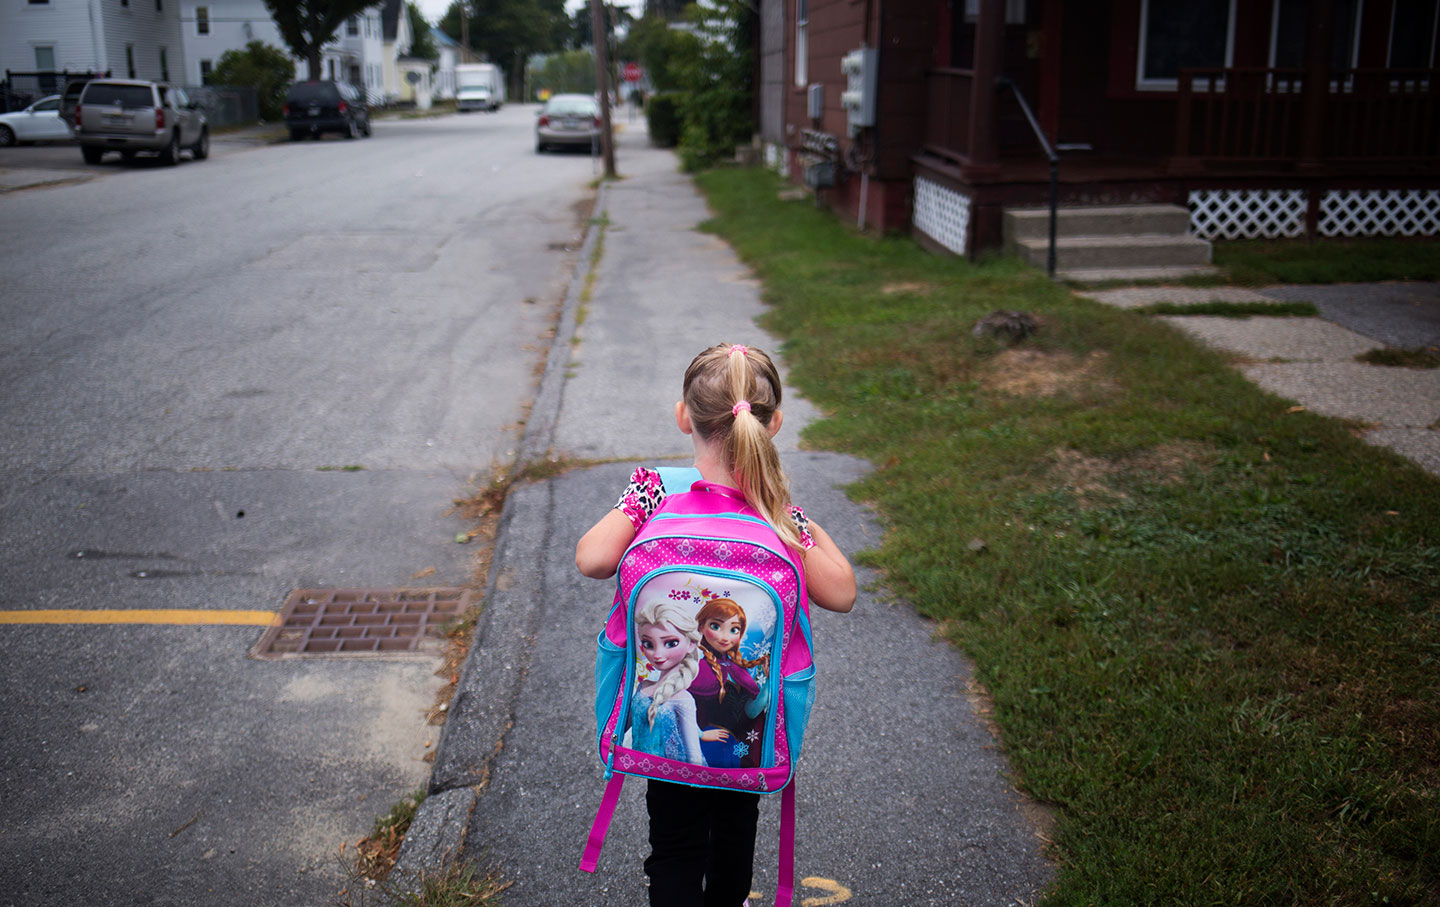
702	840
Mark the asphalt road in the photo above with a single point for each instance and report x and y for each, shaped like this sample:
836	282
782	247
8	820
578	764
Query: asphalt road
186	352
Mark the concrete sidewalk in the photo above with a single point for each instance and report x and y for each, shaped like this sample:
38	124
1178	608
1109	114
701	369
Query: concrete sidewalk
902	791
1312	360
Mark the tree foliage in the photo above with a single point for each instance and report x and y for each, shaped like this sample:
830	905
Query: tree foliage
582	30
570	71
660	50
307	25
717	110
269	70
422	43
507	32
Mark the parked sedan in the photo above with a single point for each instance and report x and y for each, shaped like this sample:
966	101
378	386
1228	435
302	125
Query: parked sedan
40	122
568	120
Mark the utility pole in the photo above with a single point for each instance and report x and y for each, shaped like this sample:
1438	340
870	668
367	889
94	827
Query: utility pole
465	27
602	79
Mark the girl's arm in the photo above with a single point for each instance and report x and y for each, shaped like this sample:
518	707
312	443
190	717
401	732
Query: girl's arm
599	551
828	577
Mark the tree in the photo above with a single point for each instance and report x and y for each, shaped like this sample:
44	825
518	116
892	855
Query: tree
581	32
422	43
507	32
568	72
659	50
717	109
269	70
307	25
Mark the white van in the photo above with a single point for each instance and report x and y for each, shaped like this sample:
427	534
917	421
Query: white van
479	86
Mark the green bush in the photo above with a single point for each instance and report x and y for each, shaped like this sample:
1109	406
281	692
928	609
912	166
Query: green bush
662	113
268	70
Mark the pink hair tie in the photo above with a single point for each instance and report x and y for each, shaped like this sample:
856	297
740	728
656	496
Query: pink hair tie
737	348
742	405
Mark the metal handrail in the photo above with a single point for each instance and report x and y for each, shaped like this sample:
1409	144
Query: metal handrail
1050	155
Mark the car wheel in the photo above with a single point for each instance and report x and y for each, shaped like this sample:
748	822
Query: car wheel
297	134
92	155
7	136
201	150
127	157
353	132
367	128
171	155
539	147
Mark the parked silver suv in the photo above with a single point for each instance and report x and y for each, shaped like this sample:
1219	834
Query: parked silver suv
130	116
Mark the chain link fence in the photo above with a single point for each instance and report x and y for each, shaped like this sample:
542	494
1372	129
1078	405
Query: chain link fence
21	89
226	105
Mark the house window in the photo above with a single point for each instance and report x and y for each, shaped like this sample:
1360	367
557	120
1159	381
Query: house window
159	6
1412	34
202	20
125	3
45	58
802	44
130	59
164	66
1290	28
352	26
39	2
205	67
1182	34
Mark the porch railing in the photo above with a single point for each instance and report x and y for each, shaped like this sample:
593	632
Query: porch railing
947	122
1255	116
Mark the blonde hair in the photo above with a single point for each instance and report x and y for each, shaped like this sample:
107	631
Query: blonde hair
716	381
724	609
678	678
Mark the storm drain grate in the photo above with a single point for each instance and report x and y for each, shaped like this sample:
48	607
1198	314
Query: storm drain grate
362	621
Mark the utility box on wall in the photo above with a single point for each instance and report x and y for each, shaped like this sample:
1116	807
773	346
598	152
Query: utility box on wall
858	99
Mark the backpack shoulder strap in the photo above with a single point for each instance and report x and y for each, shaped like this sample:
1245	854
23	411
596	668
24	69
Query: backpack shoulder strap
678	479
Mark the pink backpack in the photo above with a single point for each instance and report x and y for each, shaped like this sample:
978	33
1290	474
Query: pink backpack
705	569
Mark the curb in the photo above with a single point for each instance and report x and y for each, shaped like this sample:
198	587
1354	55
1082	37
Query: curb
482	710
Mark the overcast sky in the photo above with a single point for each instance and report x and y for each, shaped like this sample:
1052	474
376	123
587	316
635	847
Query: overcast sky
434	9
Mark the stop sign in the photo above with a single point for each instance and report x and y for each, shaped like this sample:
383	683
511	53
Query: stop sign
632	72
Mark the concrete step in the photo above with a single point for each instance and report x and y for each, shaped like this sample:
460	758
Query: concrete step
1142	250
1134	275
1106	220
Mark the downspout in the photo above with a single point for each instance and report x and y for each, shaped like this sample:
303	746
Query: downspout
872	10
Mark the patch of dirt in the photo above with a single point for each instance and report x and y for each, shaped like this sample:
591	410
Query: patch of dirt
906	286
1088	477
1046	373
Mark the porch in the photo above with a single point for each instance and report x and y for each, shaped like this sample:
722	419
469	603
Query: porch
1309	149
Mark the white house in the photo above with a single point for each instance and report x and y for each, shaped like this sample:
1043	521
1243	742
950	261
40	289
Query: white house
212	27
451	53
128	38
396	27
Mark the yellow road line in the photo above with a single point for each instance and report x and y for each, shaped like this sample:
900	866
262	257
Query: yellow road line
165	616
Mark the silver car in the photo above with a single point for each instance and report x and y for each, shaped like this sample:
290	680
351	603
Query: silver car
568	120
132	116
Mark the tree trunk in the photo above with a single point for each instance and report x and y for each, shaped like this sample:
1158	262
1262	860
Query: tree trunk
312	60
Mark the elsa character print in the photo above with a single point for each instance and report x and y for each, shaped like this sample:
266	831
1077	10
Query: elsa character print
728	698
662	711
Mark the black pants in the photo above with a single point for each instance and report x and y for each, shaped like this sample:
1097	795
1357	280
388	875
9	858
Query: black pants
702	845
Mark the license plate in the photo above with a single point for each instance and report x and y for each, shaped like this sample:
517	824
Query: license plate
571	124
314	111
118	120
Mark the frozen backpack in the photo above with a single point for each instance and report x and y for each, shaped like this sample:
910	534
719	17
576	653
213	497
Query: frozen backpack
704	674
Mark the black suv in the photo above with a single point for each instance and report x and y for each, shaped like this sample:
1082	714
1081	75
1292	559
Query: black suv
313	108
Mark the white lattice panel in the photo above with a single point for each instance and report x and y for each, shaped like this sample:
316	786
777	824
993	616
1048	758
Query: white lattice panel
775	158
1247	213
942	214
1380	212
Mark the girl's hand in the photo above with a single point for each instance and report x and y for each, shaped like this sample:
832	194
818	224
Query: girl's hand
714	734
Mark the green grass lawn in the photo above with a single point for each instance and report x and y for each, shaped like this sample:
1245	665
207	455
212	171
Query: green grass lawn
1260	262
1211	626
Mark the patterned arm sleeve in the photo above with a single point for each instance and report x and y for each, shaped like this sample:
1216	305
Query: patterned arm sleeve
802	524
641	496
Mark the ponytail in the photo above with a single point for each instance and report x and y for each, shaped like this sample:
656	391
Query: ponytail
731	393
